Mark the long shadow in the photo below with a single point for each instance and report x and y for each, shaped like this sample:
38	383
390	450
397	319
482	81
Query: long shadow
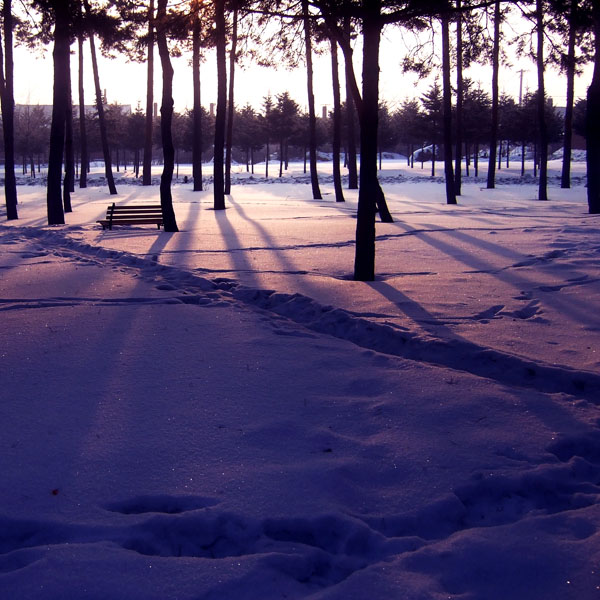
288	265
448	349
238	255
571	307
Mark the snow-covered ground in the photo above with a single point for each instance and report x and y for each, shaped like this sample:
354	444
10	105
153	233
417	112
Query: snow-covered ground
222	413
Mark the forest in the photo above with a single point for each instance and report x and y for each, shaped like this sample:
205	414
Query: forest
453	120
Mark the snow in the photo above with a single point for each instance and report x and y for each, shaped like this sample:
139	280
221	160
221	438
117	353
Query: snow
222	413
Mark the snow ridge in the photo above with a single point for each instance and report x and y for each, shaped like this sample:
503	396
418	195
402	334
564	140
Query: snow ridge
457	354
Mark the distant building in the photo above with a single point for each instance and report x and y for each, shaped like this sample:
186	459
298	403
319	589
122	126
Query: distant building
89	108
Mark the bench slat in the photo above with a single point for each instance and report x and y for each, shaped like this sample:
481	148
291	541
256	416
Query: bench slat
140	214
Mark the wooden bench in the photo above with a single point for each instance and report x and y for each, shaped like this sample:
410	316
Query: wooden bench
133	214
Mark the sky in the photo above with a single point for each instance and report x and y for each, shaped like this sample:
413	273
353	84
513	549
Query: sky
125	82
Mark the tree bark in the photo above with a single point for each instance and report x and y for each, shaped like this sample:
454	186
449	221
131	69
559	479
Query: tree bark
447	113
592	124
100	108
69	178
337	123
197	115
491	177
312	119
220	36
458	142
82	121
60	99
350	113
166	114
541	105
8	106
147	160
565	180
364	261
230	103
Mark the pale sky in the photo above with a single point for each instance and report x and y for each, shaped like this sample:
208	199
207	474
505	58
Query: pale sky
125	82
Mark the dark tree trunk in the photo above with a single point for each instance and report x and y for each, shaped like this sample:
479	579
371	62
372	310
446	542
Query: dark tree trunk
565	180
220	37
592	124
364	261
8	104
147	164
268	150
337	123
491	178
69	179
459	103
60	99
82	123
350	114
230	103
281	159
447	100
312	119
166	119
433	160
541	105
100	108
197	124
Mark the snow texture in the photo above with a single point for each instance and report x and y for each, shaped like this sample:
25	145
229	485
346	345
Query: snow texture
222	413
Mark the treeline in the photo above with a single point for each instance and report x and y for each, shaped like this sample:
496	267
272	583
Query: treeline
560	32
415	129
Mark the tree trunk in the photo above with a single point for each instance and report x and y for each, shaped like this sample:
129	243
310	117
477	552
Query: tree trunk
364	261
8	106
82	122
281	159
60	99
220	37
337	123
565	180
166	119
100	108
350	114
541	105
267	160
592	124
459	103
447	113
147	164
312	119
69	179
433	160
230	103
197	123
491	177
